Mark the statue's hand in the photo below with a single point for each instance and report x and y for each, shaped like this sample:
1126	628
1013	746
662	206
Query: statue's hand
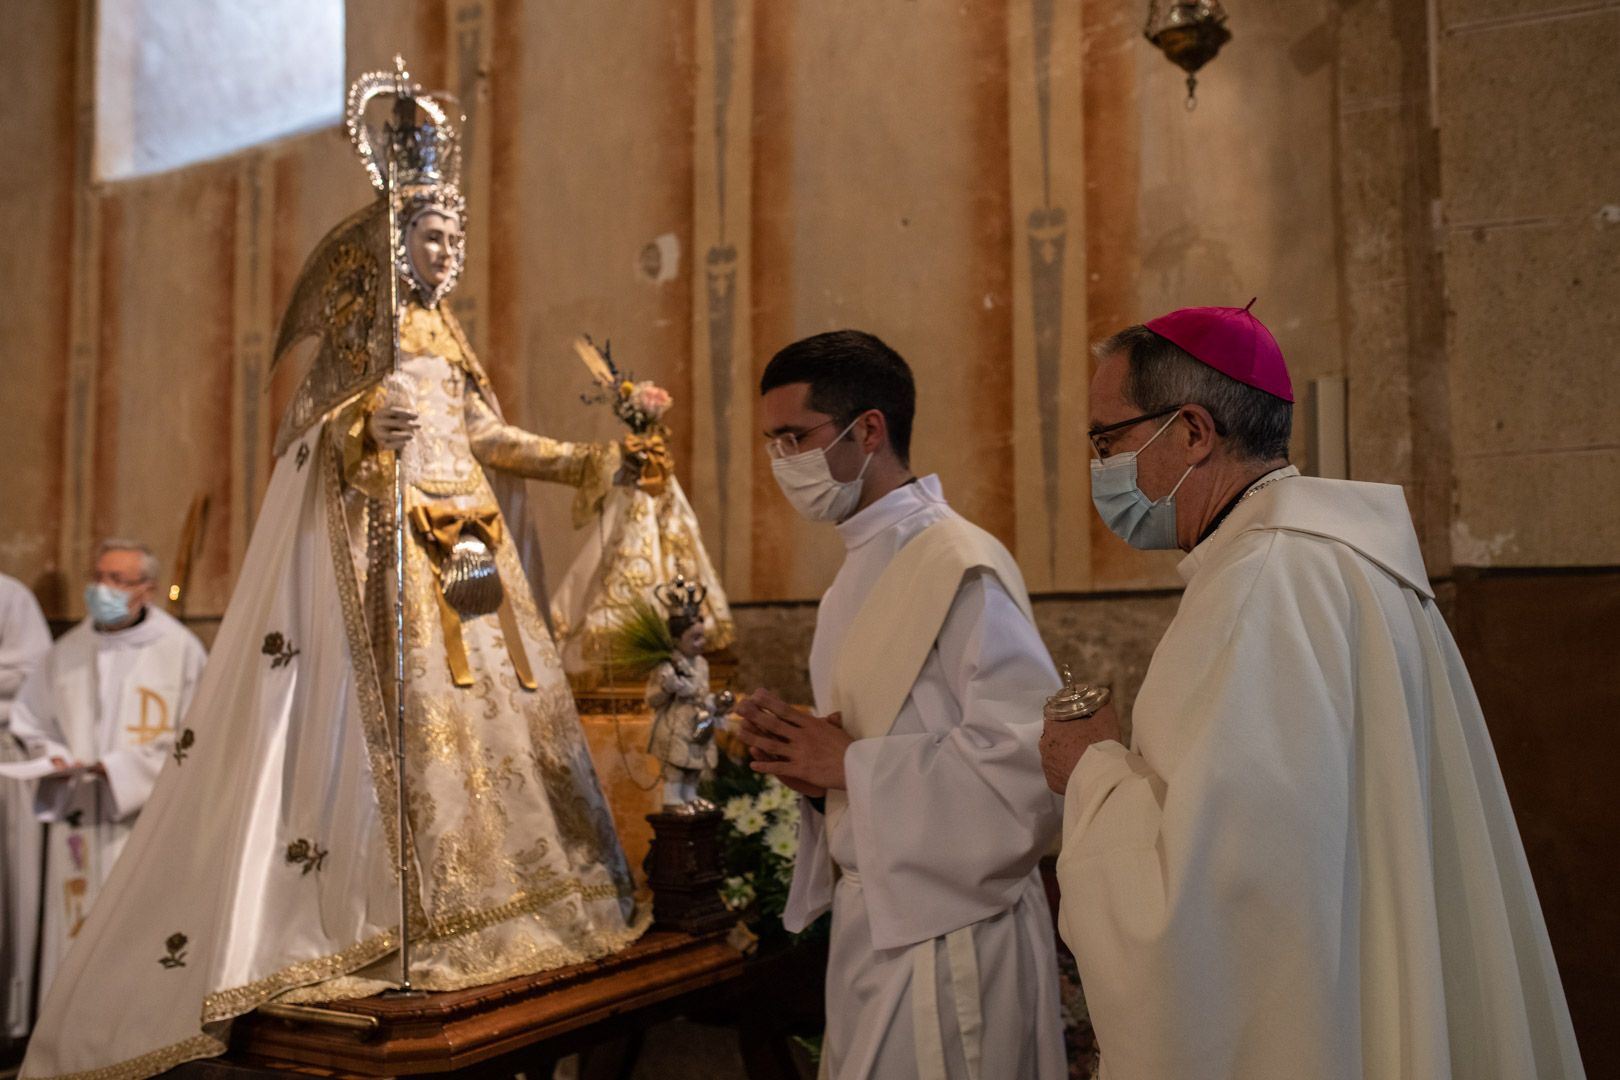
673	683
629	470
392	426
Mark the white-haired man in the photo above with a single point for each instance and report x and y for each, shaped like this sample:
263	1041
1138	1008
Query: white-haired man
98	718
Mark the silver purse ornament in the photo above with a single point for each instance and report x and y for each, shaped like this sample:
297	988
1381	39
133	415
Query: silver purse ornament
469	579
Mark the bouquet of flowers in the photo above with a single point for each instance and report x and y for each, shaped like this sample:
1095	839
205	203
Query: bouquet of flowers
641	405
761	841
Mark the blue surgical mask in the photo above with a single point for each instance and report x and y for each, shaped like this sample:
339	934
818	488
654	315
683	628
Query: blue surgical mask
106	604
1129	514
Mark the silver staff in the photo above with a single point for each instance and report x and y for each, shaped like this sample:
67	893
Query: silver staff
399	602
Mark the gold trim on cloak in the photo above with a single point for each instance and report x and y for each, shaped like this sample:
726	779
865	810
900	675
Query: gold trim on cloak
157	1061
368	685
229	1004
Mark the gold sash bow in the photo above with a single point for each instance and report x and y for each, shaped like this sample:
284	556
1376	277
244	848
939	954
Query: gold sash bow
656	464
440	528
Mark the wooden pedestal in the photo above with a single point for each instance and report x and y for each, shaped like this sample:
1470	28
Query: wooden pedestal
500	1029
684	870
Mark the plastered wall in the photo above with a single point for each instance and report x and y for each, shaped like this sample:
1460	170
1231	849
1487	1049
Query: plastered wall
987	185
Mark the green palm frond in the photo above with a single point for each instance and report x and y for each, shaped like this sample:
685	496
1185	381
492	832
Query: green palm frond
640	642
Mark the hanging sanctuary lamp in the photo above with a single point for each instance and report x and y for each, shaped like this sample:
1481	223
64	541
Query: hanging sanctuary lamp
1190	33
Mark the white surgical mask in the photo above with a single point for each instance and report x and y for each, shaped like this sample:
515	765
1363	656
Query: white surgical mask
1141	522
106	604
807	482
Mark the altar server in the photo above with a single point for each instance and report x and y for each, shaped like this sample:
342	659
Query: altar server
1305	864
102	710
925	811
24	641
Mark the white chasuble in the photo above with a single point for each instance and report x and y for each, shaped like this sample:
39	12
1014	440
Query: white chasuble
264	867
114	699
1306	865
24	640
942	958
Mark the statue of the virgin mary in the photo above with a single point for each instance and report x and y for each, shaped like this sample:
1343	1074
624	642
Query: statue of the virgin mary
264	867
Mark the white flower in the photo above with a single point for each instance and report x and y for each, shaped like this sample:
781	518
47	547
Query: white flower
789	813
749	822
737	806
738	892
776	795
782	839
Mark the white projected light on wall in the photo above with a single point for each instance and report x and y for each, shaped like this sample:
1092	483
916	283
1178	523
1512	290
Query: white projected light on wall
179	81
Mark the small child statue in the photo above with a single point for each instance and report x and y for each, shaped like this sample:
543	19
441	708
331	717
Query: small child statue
685	712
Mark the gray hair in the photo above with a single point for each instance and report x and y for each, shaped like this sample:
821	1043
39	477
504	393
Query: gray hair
149	561
1163	376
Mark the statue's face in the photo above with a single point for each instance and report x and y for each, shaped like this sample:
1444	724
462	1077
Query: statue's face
433	242
692	641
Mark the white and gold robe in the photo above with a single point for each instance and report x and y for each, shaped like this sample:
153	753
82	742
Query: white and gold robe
942	958
1306	865
111	698
634	542
265	866
24	640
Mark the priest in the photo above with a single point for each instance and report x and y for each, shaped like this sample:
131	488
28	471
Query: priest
24	641
925	812
1305	863
100	714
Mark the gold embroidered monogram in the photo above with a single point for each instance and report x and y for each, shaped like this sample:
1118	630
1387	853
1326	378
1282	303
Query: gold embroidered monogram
146	731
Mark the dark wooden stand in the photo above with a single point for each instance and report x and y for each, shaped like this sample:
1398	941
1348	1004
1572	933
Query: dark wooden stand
522	1025
684	870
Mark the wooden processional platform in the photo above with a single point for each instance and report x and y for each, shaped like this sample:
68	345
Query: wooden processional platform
521	1025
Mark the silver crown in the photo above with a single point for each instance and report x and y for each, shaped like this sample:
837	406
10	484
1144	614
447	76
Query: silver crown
425	139
682	597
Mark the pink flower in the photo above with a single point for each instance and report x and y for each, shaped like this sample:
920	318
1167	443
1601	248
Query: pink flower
651	400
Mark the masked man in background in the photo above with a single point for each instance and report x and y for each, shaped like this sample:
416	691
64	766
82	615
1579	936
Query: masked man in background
101	712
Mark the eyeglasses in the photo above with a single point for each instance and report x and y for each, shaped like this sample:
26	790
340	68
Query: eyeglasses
1099	436
119	580
787	445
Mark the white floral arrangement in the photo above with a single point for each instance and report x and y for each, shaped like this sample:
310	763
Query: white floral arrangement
768	820
761	841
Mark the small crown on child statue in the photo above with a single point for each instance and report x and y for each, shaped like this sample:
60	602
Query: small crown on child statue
682	597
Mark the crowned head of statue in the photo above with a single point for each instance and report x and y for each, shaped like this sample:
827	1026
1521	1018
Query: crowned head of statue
683	601
414	158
